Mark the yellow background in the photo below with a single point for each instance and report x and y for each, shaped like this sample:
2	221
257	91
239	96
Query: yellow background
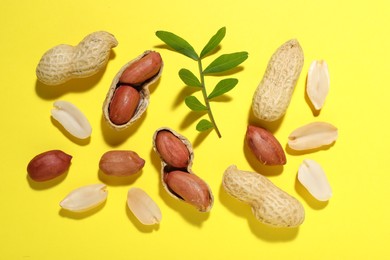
352	36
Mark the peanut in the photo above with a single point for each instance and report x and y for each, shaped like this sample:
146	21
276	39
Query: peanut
313	178
123	104
270	204
317	84
190	188
65	62
139	73
176	154
121	163
273	94
143	207
312	136
72	119
265	146
172	150
85	198
48	165
142	70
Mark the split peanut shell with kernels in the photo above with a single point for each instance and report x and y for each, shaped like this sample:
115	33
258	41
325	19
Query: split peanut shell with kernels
176	155
128	96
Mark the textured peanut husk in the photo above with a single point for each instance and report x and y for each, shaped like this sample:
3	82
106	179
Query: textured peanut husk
273	95
65	62
166	168
143	90
270	204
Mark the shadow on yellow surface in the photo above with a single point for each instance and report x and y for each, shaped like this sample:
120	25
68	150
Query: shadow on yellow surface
46	184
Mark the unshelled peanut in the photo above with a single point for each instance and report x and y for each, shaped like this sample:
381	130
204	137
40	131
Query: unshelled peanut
270	204
64	62
273	94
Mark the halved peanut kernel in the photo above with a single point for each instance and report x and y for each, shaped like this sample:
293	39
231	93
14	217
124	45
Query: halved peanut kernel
72	119
143	207
313	178
85	198
313	135
317	87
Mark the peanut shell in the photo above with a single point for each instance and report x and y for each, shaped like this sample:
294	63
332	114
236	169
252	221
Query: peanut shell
273	94
65	62
165	167
270	204
143	90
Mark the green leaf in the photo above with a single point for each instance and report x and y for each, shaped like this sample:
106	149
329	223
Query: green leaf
189	78
194	104
222	87
213	43
177	43
204	125
226	62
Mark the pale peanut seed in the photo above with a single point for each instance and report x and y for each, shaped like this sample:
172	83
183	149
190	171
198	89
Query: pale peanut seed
313	135
72	119
313	178
317	87
143	207
85	198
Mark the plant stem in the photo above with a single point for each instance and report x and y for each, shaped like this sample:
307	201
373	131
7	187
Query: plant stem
206	100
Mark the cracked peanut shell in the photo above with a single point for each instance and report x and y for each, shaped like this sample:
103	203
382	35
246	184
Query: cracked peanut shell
180	181
142	87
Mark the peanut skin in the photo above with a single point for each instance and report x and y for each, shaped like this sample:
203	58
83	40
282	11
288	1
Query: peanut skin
172	150
265	146
142	70
123	105
190	188
121	163
48	165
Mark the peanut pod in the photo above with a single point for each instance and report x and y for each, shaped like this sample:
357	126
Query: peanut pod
273	94
139	73
178	179
270	205
65	62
